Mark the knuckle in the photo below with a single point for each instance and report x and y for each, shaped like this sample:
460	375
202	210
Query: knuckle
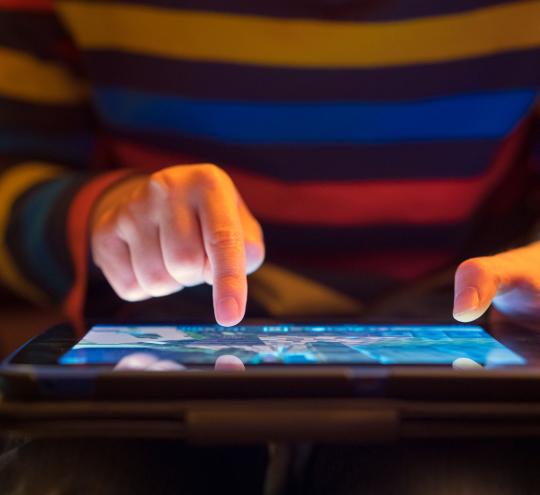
134	208
126	288
130	292
126	220
156	277
129	286
210	176
159	177
225	239
182	259
160	183
186	266
137	198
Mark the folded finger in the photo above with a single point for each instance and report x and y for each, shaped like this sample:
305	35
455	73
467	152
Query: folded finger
147	261
112	255
182	246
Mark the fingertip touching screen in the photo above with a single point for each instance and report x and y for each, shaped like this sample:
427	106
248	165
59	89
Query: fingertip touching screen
294	344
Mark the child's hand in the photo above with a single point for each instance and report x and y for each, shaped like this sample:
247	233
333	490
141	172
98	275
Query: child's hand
181	226
511	280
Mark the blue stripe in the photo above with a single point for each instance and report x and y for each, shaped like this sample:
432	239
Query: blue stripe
74	148
34	216
484	115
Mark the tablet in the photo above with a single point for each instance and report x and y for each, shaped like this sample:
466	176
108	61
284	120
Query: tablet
324	380
277	350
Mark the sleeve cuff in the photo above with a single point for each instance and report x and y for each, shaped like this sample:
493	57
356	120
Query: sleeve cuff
78	220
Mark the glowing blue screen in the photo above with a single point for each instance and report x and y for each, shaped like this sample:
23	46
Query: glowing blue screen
293	344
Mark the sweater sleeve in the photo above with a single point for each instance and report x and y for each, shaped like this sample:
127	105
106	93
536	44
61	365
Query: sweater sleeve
535	138
49	153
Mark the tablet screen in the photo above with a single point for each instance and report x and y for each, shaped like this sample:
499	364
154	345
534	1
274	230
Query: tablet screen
294	344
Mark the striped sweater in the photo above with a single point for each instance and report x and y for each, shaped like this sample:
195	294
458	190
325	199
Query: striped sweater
377	141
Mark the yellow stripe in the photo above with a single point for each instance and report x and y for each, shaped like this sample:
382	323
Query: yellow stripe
27	78
302	43
13	183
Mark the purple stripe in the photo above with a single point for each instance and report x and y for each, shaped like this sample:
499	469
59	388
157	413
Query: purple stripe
425	160
36	33
223	81
319	240
535	141
24	116
358	10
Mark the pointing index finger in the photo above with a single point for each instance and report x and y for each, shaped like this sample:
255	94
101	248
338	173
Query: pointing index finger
224	245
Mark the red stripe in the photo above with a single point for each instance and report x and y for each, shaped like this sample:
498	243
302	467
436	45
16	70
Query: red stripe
352	203
39	5
78	238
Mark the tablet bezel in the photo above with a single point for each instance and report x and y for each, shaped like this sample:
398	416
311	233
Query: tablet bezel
418	382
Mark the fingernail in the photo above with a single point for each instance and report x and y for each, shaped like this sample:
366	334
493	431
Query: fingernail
466	301
227	311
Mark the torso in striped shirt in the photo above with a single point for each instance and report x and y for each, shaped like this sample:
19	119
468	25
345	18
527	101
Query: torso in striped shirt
368	137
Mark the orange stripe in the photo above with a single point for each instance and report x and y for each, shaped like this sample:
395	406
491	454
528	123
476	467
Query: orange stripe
40	5
353	203
78	238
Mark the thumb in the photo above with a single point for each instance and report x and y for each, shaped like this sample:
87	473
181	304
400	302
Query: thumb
476	283
509	279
